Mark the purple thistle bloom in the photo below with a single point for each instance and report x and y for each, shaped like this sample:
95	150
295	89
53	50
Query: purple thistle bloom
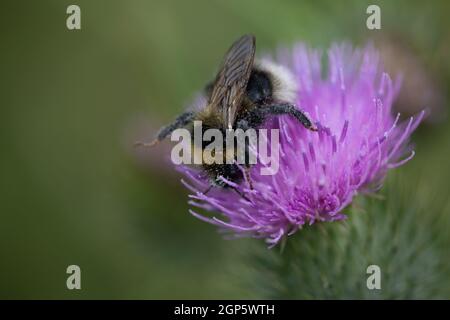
319	172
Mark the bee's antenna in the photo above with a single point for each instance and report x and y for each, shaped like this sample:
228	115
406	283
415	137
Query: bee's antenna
146	144
240	193
207	190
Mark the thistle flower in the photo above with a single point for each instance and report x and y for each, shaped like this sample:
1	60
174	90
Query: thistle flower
358	141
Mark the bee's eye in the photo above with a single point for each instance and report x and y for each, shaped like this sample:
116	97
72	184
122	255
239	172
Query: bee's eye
259	87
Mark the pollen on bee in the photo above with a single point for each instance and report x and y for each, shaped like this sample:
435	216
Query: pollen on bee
232	146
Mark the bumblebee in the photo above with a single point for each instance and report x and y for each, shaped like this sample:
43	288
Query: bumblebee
243	95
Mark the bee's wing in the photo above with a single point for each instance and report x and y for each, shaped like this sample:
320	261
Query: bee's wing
231	81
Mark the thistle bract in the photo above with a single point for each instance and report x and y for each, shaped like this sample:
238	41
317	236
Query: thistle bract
349	97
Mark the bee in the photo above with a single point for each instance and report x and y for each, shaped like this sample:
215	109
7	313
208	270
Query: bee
243	95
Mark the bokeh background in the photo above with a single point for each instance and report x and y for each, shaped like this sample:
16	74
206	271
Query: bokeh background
74	191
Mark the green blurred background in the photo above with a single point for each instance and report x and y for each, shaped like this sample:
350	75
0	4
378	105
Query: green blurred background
73	190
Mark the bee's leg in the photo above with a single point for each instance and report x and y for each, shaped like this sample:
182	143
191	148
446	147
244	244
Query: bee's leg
207	190
259	114
181	121
279	109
